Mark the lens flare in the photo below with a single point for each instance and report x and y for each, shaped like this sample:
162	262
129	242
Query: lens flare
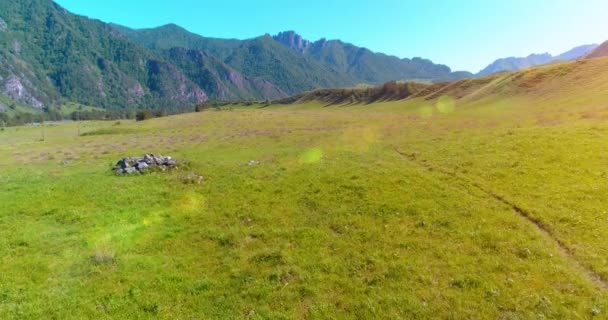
445	105
191	201
312	156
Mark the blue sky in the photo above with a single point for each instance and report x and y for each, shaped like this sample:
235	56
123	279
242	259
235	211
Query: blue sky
465	34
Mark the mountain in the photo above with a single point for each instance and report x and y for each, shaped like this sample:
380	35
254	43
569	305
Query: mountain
293	40
601	51
519	63
364	65
173	36
576	53
49	56
220	80
293	63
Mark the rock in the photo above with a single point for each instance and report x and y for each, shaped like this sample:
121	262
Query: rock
147	162
130	170
142	166
149	159
123	164
253	163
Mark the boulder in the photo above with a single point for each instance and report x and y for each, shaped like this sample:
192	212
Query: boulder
142	166
129	166
130	170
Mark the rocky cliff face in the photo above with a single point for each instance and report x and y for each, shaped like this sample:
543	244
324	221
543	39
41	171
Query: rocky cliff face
14	88
293	40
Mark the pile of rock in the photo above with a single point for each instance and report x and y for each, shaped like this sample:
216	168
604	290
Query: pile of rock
141	165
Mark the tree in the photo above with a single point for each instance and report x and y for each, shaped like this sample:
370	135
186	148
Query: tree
144	115
201	107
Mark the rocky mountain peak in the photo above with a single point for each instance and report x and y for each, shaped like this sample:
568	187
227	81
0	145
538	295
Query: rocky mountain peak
292	40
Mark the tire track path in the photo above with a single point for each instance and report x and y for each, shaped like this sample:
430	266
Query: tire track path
544	230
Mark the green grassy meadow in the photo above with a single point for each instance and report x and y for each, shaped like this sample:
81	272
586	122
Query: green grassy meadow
450	208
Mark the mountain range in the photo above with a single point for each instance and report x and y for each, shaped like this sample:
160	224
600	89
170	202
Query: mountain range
294	64
49	56
519	63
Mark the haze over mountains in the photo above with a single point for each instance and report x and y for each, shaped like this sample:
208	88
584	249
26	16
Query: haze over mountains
519	63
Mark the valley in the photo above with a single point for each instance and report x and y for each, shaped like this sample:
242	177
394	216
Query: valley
480	198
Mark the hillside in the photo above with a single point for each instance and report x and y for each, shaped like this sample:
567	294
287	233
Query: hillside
364	65
221	81
295	64
520	63
576	82
601	51
50	55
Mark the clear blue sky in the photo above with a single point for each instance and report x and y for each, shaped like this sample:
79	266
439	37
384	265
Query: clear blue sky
465	34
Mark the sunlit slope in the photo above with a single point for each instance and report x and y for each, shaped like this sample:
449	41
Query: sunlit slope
562	89
536	139
601	51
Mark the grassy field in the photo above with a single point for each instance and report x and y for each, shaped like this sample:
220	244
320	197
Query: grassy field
467	206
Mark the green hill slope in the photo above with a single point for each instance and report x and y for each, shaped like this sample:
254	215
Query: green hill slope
50	55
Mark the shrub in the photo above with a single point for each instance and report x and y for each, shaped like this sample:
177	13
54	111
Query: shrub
144	115
201	107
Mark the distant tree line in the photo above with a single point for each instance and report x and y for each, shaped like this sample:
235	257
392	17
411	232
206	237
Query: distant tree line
50	114
23	118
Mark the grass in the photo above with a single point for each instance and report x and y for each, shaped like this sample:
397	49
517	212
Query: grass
399	209
69	107
109	131
11	108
